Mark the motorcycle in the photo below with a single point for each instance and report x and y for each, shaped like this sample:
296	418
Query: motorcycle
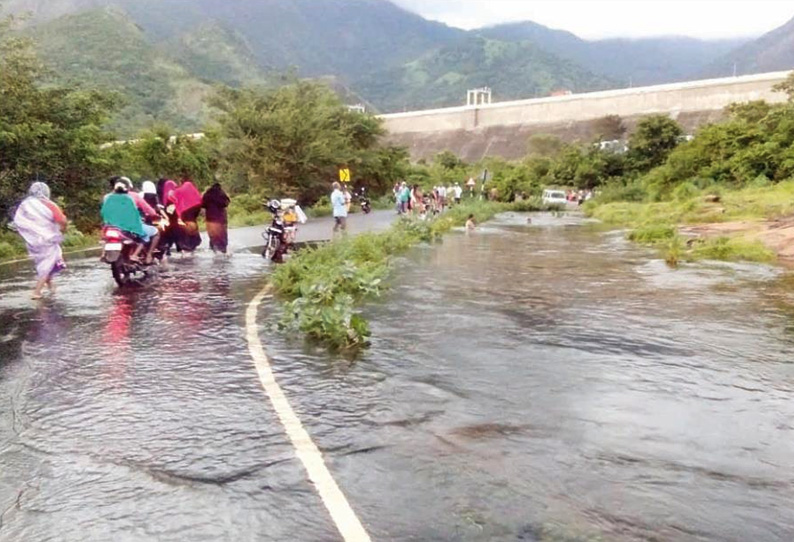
366	205
283	230
118	250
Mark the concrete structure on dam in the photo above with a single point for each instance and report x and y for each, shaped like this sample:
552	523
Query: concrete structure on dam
503	128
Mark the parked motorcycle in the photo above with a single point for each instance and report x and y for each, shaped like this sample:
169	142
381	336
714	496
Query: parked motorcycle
280	235
366	205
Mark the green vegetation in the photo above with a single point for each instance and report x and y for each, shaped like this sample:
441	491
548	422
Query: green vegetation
47	132
740	170
291	141
105	49
323	286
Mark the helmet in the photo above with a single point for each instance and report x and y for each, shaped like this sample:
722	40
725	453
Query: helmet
273	206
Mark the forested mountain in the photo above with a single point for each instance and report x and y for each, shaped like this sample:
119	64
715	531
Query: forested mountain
513	69
104	48
164	55
771	52
321	37
644	61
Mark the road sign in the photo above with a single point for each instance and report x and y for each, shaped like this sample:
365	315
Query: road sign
344	175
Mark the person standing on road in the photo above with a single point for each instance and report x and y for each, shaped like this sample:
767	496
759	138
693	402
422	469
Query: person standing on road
348	198
41	223
405	197
458	193
187	199
339	204
215	201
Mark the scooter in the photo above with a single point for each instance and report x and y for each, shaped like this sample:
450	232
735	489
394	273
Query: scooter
118	250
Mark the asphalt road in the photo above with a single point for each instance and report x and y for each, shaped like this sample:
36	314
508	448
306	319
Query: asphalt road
316	229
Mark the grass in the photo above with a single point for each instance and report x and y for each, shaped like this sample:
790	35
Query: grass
731	249
753	203
656	224
323	286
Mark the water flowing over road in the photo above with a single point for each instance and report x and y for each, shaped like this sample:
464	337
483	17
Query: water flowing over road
544	381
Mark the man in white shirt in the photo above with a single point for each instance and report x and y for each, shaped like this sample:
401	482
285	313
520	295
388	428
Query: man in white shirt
339	204
442	197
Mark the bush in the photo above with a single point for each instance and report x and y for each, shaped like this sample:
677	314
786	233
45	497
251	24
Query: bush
8	251
685	191
653	235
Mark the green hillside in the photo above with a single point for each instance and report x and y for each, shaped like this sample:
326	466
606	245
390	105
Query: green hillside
215	54
441	78
164	55
106	49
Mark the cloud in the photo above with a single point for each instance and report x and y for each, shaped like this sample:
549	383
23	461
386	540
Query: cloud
610	18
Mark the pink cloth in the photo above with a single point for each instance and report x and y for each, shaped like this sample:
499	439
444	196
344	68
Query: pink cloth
186	197
168	187
142	206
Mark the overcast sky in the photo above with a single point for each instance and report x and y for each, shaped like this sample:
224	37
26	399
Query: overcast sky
610	18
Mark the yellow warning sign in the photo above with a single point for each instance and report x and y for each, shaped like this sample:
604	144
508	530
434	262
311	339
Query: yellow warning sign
344	175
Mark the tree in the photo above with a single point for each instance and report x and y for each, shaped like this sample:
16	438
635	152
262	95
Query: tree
290	141
448	160
50	133
158	154
609	128
544	145
652	142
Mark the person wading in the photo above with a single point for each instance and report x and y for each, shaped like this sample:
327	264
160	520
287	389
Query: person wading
187	199
41	224
215	202
340	209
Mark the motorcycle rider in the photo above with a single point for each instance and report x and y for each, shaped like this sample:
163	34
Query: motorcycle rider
121	211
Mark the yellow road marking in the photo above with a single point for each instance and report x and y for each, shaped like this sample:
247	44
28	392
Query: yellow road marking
342	514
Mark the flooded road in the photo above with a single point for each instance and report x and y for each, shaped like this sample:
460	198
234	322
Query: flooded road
527	382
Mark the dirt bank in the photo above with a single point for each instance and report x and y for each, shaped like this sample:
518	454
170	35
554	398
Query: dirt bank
776	234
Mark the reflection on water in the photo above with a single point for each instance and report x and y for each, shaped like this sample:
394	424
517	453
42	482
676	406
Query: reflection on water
543	381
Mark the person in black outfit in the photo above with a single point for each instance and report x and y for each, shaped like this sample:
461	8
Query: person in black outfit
215	201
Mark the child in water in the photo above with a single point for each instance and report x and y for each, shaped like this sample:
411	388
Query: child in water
471	224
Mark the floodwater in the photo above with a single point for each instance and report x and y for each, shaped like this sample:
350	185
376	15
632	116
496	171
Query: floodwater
544	381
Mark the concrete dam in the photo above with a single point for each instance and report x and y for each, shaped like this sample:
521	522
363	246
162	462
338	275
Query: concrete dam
504	128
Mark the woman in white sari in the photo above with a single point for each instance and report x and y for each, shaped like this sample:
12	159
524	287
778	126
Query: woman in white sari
42	223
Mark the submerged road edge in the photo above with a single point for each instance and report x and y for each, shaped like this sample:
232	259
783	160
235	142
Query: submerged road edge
345	519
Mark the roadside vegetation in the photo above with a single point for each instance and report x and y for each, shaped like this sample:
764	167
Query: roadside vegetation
323	287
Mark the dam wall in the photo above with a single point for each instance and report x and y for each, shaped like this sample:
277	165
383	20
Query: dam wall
503	128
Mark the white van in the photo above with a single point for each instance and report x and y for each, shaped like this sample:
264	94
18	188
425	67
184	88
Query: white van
554	197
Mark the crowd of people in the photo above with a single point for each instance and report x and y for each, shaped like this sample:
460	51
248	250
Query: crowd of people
579	196
163	215
412	200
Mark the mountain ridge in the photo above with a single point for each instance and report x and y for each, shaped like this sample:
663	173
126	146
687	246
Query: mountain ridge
371	51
